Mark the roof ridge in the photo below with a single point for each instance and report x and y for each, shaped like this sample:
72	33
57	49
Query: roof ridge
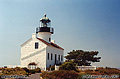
50	44
25	42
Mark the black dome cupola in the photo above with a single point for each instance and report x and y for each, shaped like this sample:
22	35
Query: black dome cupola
45	22
45	25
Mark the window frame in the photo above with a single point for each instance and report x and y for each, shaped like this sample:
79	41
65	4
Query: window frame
48	56
51	56
49	39
61	57
36	45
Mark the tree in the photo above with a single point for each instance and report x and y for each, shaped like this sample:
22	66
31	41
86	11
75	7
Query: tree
81	57
68	66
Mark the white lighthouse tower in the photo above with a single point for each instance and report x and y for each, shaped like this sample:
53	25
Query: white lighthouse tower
45	30
39	51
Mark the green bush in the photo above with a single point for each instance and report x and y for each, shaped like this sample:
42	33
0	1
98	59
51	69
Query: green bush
32	71
61	74
26	69
37	70
13	71
103	71
68	66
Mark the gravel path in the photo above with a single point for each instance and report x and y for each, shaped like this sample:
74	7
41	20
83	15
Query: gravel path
34	76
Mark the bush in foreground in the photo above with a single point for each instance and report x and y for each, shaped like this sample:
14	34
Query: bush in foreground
68	66
13	71
18	71
61	74
108	70
103	71
32	71
37	70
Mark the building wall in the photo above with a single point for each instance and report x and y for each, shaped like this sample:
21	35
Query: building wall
54	51
30	54
44	35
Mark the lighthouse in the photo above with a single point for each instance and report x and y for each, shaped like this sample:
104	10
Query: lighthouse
45	30
39	50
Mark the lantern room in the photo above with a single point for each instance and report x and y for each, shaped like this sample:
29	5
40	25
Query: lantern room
45	25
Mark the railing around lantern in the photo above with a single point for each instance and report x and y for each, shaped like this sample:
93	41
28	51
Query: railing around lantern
44	29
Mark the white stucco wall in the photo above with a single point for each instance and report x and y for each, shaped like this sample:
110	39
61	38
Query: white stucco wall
44	35
54	51
30	54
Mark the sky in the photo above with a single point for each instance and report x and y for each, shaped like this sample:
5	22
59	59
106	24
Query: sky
90	25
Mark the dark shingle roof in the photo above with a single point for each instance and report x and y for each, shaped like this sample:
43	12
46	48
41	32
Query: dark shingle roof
50	44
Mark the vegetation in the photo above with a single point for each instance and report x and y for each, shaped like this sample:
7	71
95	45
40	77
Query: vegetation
18	71
104	71
52	67
37	70
68	66
71	74
81	57
61	74
32	71
13	71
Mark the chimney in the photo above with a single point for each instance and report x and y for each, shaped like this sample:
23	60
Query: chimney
53	41
33	35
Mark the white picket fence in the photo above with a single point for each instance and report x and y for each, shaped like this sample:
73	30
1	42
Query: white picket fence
81	67
86	67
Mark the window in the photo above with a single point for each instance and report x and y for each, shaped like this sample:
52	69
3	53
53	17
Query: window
36	45
48	56
59	57
55	59
32	65
49	39
51	56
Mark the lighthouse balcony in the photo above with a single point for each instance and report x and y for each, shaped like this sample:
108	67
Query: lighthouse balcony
44	29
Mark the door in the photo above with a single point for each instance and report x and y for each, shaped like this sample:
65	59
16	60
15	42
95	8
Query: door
55	59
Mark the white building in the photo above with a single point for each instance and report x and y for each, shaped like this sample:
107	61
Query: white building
40	51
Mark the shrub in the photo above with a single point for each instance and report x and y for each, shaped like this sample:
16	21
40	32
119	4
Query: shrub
108	70
13	71
103	71
68	66
61	74
37	70
26	69
46	75
32	71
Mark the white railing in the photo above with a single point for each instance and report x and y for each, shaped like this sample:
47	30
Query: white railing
81	67
56	67
86	67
